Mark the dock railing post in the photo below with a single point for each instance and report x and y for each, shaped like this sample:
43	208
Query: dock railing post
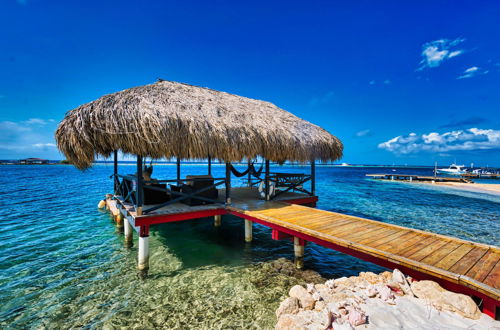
140	191
313	177
266	181
228	183
115	171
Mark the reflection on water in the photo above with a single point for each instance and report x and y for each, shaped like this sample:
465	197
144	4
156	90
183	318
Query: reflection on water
63	264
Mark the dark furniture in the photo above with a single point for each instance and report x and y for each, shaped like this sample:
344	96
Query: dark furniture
195	183
151	196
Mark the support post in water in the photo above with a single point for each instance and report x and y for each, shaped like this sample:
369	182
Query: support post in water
266	181
217	220
228	183
248	231
298	248
143	256
128	231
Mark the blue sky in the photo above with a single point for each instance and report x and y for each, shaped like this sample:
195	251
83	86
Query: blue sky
405	82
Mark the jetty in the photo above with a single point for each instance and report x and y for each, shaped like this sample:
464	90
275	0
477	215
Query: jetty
179	121
417	178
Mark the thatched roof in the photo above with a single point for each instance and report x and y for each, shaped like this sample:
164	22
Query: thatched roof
169	119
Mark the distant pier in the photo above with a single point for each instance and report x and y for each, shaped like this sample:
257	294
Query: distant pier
417	178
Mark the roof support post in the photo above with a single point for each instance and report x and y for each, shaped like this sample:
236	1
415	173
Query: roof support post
228	183
313	177
178	171
209	165
266	180
139	189
115	171
249	183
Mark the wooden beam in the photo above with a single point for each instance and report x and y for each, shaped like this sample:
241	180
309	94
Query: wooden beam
115	170
228	183
209	165
266	181
313	177
178	170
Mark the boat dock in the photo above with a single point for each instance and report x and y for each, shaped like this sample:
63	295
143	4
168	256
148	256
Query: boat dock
458	265
411	178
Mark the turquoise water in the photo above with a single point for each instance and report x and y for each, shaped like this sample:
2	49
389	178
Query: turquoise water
63	263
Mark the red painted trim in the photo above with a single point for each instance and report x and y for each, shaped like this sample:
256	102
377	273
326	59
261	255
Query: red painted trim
489	303
305	200
144	231
163	218
278	235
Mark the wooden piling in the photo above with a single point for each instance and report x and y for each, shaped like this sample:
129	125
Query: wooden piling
298	248
248	231
217	220
128	233
143	255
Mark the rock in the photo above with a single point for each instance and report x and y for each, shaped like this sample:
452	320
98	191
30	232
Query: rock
317	296
288	322
386	294
399	277
386	276
288	306
442	299
371	278
371	292
310	288
330	284
319	305
305	299
355	317
323	319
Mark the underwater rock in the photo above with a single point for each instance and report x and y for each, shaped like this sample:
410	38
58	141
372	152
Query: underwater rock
442	299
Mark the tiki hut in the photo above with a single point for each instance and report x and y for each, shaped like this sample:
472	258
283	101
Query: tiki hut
170	119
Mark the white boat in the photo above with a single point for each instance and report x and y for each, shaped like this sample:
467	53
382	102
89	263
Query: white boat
344	164
454	169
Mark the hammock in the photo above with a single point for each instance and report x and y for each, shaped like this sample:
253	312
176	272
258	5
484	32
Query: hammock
250	169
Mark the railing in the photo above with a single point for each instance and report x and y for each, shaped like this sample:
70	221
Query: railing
128	189
291	182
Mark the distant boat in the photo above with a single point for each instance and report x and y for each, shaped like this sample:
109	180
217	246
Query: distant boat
454	169
344	164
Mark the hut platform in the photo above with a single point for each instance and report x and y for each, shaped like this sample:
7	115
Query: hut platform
411	178
458	265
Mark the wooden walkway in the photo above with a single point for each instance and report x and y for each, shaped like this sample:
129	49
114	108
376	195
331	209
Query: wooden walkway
458	265
453	262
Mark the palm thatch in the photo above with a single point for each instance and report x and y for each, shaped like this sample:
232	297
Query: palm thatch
169	119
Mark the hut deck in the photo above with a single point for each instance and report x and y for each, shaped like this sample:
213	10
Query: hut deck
411	177
456	264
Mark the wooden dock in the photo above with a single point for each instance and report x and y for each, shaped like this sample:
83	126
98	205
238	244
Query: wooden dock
411	178
458	265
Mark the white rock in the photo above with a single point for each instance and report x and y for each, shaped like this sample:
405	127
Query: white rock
288	306
305	299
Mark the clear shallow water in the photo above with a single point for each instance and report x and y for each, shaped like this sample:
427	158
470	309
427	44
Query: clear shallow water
63	265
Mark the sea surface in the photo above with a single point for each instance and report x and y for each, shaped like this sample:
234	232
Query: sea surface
63	263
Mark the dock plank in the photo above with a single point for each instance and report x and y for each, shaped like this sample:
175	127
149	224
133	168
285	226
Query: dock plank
493	278
483	266
463	265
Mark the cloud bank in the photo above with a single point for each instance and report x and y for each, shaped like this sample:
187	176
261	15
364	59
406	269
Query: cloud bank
459	140
438	51
472	72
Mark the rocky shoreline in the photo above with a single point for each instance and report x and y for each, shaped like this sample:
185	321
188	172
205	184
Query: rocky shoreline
387	300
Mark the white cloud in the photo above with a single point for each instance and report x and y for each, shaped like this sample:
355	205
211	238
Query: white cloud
372	82
460	140
437	51
365	132
386	82
33	137
472	72
44	145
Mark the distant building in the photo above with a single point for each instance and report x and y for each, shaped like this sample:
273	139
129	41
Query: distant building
33	161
